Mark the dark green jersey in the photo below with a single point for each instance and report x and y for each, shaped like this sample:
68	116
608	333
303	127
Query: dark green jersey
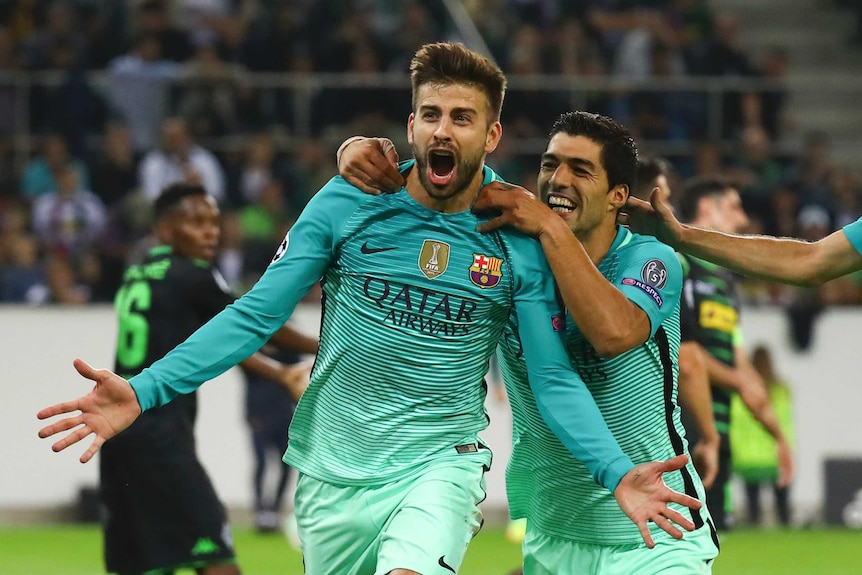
710	316
162	301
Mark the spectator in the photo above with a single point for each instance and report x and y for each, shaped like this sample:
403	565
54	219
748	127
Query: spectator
212	95
724	55
23	278
153	20
70	220
753	449
40	173
114	170
138	89
72	108
61	27
63	286
180	159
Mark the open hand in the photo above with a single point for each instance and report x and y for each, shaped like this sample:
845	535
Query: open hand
107	410
644	496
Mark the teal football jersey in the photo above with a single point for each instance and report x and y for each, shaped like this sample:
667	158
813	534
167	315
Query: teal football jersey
635	391
854	234
414	304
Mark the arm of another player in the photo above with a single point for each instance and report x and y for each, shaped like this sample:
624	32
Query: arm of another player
290	339
611	322
293	377
370	164
695	397
764	257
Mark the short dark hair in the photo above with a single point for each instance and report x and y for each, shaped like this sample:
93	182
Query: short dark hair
171	197
649	168
448	63
619	155
701	187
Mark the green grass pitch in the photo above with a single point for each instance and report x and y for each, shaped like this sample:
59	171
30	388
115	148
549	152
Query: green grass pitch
76	550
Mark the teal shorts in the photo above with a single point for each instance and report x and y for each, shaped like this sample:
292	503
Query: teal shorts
691	555
422	522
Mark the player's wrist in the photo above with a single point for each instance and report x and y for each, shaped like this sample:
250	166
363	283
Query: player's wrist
343	147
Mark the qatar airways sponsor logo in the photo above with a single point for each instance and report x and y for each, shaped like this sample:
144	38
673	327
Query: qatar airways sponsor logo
647	289
420	309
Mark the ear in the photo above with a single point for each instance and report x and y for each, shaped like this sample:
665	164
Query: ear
493	137
410	119
617	197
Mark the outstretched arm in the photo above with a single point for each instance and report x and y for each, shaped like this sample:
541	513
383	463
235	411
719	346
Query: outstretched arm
370	164
109	408
763	257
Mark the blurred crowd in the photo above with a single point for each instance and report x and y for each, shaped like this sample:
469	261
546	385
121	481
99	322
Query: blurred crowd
103	103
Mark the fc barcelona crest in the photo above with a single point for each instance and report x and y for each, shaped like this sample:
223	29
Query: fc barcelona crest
433	258
485	271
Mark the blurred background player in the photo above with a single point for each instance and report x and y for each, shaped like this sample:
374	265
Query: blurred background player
268	410
695	396
754	450
162	512
710	315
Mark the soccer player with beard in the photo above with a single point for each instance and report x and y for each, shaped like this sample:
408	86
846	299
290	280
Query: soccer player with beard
386	437
623	336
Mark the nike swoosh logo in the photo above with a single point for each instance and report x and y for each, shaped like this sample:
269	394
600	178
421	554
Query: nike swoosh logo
366	250
444	565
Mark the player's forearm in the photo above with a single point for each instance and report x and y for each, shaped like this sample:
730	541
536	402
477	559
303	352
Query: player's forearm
762	257
695	396
720	374
263	366
290	339
604	315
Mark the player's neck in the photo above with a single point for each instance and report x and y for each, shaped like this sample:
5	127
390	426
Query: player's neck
459	202
598	240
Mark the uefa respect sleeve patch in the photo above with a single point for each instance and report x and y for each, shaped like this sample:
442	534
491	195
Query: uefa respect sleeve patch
646	288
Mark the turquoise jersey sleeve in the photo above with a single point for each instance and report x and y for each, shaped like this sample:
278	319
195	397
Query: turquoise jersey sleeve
651	276
854	234
563	399
244	326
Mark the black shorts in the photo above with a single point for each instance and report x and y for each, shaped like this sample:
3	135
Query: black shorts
161	514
